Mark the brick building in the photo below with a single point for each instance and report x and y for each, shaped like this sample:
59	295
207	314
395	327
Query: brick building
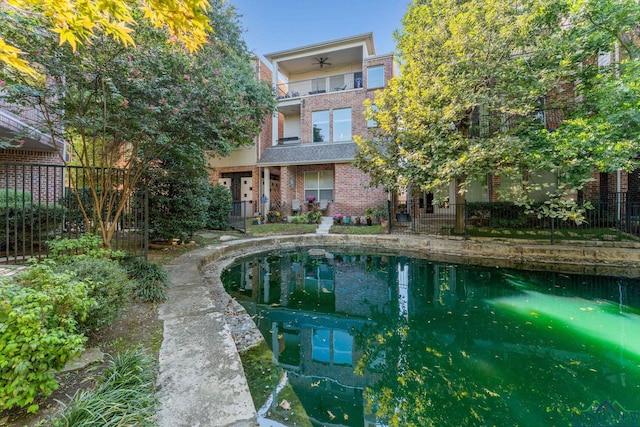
31	163
307	147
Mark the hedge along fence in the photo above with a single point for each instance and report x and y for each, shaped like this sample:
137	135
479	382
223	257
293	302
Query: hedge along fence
25	225
35	206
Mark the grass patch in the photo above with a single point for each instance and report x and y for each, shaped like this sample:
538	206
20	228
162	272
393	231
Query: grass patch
278	228
358	229
151	280
125	395
587	234
263	377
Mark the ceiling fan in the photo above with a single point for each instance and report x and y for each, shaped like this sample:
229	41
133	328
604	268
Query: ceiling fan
322	61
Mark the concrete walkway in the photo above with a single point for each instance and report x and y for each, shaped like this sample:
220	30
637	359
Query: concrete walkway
201	381
325	225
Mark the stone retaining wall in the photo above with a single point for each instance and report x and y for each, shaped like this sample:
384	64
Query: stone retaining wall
599	258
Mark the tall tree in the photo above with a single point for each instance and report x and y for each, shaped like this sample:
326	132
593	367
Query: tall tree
124	106
475	78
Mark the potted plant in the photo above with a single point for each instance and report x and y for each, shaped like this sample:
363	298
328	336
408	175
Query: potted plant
347	220
273	216
337	219
310	199
368	216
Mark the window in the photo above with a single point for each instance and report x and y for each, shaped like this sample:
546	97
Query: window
319	184
342	124
332	346
604	59
375	77
320	121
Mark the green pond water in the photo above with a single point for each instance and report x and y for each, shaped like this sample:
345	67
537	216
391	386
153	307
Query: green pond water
377	340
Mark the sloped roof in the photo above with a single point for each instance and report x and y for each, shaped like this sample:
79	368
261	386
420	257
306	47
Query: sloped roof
311	153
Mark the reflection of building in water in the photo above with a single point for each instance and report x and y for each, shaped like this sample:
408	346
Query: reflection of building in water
310	310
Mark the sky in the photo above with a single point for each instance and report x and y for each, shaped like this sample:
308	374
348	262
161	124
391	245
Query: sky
275	25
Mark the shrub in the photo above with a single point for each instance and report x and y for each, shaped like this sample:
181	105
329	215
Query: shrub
109	286
39	313
273	216
24	222
87	245
313	217
299	219
150	280
178	194
219	207
124	396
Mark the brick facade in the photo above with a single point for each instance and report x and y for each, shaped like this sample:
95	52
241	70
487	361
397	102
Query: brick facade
39	173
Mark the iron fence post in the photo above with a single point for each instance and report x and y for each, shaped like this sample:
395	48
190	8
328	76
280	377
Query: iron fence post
145	237
466	232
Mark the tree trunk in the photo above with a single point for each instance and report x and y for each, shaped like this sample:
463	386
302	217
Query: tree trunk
459	227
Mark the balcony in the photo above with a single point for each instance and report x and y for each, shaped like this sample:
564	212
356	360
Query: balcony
320	85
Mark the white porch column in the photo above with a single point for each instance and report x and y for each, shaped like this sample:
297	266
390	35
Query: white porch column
274	118
266	190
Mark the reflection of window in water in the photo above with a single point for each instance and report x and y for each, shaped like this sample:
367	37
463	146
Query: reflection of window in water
403	287
288	345
332	346
319	279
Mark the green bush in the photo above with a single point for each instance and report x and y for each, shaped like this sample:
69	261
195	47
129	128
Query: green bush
299	219
150	280
314	217
219	207
110	287
27	222
86	246
10	197
124	396
39	311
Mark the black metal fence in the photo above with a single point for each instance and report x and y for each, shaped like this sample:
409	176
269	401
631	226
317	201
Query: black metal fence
37	204
614	218
241	211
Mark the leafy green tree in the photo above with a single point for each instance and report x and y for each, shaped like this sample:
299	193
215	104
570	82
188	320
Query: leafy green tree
178	196
475	78
601	131
79	21
111	105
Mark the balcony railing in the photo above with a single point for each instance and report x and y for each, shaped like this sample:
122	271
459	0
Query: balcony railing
289	140
325	84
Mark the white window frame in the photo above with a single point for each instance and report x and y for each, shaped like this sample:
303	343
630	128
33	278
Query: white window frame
312	187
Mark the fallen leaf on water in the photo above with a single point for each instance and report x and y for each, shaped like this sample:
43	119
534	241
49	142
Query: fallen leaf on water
331	416
285	404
